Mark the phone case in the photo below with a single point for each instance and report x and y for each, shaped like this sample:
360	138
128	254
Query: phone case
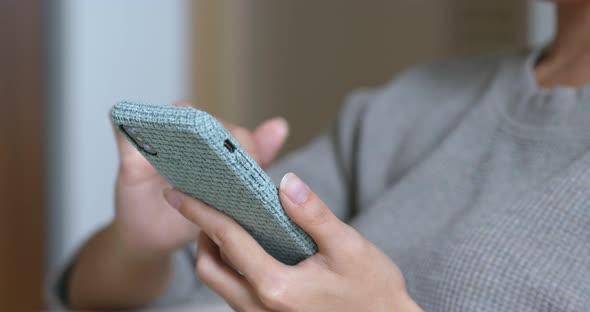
199	157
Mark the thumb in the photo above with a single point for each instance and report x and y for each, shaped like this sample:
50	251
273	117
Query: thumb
125	149
269	137
308	211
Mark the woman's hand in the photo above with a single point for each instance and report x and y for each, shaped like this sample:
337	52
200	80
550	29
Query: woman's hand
144	221
347	274
128	263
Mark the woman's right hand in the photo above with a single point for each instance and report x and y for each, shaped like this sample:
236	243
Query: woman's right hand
127	264
143	222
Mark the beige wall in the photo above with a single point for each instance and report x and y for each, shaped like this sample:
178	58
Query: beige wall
260	58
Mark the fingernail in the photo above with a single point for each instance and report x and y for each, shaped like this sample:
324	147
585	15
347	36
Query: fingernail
173	197
284	129
294	188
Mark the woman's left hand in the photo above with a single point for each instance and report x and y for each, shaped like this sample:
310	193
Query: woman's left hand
347	274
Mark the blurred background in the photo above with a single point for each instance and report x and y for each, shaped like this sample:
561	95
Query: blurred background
64	63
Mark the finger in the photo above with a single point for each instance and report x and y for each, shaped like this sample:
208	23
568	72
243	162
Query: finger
226	260
308	211
269	137
124	147
220	278
244	137
242	250
246	140
227	125
133	167
264	142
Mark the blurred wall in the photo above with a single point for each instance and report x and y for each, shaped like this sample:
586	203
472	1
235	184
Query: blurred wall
102	52
260	58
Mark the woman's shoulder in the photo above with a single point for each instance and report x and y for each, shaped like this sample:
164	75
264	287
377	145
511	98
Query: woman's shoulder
437	88
445	84
458	71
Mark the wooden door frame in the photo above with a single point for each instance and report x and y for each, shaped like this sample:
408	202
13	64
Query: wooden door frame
21	155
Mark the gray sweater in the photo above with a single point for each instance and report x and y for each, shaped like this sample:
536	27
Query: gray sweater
473	179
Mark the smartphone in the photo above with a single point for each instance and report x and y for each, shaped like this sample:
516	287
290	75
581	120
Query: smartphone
199	157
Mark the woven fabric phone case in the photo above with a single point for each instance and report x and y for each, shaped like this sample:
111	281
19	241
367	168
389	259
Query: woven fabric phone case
199	157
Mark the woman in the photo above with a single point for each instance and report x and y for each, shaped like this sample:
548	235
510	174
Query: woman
464	184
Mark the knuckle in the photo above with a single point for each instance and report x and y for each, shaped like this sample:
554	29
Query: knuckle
273	293
184	208
187	209
317	213
223	235
203	269
356	244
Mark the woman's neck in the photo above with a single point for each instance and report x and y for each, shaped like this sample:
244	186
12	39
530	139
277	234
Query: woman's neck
567	60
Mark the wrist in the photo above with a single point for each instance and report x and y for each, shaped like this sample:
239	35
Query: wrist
134	252
107	273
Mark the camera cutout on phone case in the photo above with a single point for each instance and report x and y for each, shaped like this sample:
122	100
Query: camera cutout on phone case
133	134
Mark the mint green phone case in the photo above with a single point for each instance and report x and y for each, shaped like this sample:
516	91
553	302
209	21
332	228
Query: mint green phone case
199	157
